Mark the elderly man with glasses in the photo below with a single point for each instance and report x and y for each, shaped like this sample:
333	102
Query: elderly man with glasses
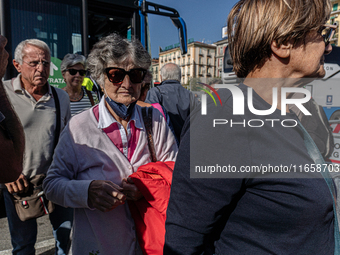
35	103
248	177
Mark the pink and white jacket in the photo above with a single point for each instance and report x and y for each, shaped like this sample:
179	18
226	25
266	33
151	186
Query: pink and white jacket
86	153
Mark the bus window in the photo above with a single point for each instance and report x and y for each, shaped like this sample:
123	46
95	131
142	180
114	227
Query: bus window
56	23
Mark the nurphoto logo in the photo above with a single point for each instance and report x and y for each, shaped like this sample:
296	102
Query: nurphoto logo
239	103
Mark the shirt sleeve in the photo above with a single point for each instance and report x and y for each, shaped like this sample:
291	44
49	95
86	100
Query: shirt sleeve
60	185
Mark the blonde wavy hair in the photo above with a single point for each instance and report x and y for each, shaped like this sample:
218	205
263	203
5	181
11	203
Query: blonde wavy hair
254	24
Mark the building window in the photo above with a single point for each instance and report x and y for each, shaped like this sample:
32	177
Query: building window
335	7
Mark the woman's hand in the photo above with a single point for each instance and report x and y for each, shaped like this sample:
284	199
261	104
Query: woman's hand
130	190
105	195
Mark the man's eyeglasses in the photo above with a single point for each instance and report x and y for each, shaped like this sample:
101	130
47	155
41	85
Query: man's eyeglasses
36	63
327	31
75	71
116	75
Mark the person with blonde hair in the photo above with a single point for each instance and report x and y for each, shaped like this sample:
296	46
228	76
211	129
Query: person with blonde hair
257	184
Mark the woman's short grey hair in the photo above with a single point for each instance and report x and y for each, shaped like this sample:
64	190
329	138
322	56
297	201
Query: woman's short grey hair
19	50
71	60
114	50
171	71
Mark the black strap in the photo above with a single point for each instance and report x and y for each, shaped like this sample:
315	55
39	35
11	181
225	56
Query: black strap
147	118
89	94
58	125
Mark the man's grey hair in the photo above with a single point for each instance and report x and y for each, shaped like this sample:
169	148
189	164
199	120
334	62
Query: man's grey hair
19	50
114	50
71	60
171	71
215	81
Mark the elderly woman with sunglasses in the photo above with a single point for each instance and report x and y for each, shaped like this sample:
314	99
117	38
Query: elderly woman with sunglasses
73	70
102	146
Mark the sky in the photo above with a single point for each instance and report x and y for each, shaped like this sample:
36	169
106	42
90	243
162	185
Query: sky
204	20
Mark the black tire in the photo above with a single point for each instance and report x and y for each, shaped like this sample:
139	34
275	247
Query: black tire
335	115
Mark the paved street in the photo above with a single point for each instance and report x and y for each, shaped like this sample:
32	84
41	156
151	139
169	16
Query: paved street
45	240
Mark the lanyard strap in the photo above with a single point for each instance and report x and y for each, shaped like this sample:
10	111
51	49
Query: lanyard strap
316	156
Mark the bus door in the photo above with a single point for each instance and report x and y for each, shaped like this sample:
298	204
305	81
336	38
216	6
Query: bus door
104	18
56	22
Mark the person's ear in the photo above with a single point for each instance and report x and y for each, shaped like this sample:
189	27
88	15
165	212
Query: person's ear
282	51
17	66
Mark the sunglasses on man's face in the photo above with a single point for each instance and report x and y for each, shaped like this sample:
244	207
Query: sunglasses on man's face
117	75
327	31
75	71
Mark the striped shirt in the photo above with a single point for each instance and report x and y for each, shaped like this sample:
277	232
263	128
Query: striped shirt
84	103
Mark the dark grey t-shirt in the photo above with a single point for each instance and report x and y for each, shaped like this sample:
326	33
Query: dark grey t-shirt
246	215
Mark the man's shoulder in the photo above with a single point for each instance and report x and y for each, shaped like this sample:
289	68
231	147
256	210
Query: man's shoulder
62	95
170	85
9	83
86	120
59	91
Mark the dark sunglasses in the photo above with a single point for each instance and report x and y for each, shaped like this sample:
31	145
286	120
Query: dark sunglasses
117	75
327	31
75	71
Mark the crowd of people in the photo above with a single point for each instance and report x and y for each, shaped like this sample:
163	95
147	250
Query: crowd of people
118	165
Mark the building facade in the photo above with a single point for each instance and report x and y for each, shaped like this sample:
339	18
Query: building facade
199	62
220	49
155	70
335	18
